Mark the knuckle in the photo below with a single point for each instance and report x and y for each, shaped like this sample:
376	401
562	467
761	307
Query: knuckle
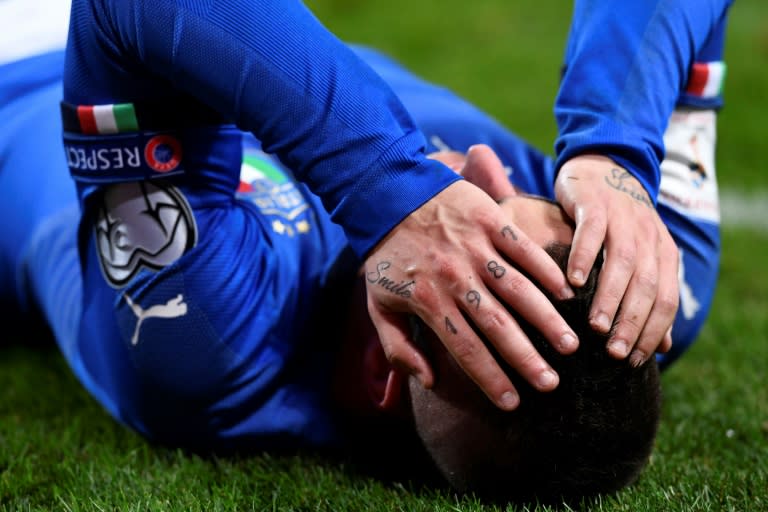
629	326
667	303
464	350
517	284
529	361
593	224
625	256
524	246
591	216
494	321
649	343
425	296
612	295
648	283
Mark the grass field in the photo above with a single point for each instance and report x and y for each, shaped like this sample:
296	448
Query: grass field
60	451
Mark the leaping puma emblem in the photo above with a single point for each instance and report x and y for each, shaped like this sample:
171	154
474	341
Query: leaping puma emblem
174	308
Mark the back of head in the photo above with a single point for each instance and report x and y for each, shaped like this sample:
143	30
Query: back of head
592	435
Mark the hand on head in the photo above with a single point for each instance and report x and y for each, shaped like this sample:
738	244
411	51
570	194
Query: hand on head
613	212
454	263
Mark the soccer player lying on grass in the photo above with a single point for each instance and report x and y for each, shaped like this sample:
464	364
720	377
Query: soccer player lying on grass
208	314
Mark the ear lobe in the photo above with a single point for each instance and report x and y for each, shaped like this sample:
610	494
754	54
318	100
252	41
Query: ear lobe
383	382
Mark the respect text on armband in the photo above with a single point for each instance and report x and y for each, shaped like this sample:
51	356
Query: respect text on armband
88	159
122	158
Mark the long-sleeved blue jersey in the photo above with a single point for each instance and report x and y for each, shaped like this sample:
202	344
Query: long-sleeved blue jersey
272	69
190	278
627	66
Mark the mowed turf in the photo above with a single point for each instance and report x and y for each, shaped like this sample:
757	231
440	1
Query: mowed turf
60	451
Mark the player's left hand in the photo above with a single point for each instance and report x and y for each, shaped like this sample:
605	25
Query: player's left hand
454	262
614	213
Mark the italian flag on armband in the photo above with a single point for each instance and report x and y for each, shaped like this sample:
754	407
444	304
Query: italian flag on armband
706	80
107	119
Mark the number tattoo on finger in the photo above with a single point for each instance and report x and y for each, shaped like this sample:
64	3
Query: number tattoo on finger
473	297
495	269
507	230
450	327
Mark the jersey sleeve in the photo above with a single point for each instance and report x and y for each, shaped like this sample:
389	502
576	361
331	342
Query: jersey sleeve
627	65
274	70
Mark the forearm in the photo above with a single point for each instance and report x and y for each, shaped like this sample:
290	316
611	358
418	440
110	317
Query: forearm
627	66
274	70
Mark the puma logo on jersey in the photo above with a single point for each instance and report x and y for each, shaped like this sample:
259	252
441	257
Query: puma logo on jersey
174	308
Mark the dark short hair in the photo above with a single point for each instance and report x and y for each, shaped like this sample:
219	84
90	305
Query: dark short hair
592	435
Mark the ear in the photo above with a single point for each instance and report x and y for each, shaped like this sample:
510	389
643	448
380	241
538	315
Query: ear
383	382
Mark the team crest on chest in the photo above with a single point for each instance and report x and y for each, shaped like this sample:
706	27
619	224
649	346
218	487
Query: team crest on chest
274	193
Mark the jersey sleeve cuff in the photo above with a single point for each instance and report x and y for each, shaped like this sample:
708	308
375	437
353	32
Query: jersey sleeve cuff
381	204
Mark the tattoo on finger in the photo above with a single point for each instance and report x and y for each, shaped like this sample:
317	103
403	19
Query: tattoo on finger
495	269
507	230
473	297
450	327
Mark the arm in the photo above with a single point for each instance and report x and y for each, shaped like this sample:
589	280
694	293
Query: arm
272	68
627	65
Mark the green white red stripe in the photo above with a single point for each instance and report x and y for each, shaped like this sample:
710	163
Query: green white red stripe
706	80
107	119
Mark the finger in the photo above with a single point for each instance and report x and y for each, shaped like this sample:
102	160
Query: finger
636	306
657	329
511	342
453	159
472	355
530	257
395	337
666	343
618	268
484	170
514	289
588	238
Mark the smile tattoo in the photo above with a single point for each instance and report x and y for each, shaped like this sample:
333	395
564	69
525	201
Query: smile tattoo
377	277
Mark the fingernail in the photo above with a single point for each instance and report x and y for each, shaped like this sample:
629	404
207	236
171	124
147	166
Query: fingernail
568	342
548	380
637	358
618	348
601	322
567	293
577	276
509	400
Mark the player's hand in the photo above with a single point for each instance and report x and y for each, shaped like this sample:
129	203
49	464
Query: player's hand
451	262
612	211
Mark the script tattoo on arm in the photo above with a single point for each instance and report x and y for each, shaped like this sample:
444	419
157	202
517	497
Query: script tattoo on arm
495	269
473	297
377	277
507	230
617	181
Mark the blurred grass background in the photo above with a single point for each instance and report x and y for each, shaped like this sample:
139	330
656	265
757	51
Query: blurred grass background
60	451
